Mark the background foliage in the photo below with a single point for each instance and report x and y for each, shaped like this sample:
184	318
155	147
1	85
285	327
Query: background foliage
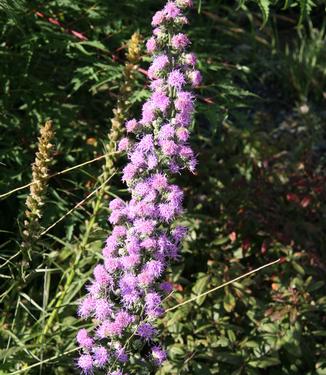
259	192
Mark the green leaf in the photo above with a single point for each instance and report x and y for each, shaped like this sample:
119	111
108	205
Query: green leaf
199	6
229	302
200	287
177	350
305	9
315	286
222	240
269	327
298	268
177	316
319	333
94	43
264	7
287	4
231	336
12	7
264	362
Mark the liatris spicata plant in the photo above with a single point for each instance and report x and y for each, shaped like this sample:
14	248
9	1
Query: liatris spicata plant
125	295
35	199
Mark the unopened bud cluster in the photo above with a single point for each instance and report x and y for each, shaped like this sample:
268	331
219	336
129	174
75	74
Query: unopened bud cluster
123	103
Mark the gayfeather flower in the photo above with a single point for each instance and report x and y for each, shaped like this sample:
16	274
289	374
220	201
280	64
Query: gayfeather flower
127	289
190	59
123	144
100	356
85	363
195	77
83	339
171	10
180	41
86	307
158	18
158	354
160	100
131	125
102	309
176	79
158	65
151	45
146	331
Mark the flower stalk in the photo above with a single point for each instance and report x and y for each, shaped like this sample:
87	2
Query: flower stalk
126	292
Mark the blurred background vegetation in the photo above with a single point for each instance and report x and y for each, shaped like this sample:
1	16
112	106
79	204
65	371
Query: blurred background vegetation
258	194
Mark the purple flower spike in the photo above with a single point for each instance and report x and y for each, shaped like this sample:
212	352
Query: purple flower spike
126	291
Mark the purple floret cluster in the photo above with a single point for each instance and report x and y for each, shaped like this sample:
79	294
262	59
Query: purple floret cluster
125	294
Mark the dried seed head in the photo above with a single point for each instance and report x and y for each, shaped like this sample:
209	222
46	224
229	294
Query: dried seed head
134	52
40	175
